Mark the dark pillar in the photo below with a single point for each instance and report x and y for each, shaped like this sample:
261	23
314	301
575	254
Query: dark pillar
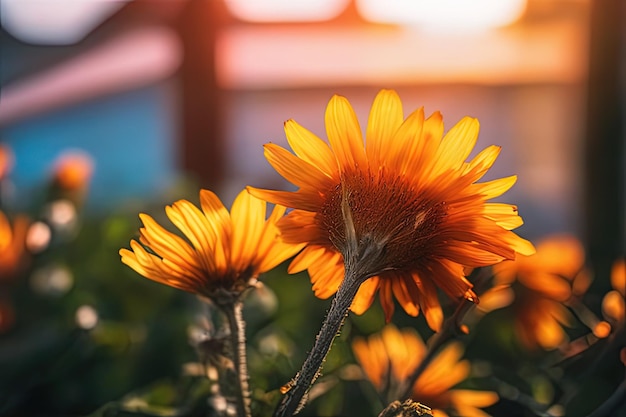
605	137
201	98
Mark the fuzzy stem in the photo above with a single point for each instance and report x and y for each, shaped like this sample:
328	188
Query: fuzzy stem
238	341
294	398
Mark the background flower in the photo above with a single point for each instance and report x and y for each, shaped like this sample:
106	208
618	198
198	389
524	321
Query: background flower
12	245
548	279
390	357
613	304
6	161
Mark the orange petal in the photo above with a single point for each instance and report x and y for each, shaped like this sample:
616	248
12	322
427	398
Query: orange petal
385	117
344	134
296	170
311	148
248	219
496	188
297	200
618	276
365	296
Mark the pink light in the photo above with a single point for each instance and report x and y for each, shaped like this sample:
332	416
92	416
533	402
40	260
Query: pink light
114	66
279	57
55	22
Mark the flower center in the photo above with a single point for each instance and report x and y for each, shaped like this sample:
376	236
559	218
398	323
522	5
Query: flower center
386	211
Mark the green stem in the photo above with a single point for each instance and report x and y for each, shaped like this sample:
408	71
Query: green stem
294	398
238	342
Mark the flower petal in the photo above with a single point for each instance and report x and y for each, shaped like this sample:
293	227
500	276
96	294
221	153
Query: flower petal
296	170
248	218
385	118
298	200
344	135
365	296
311	148
496	188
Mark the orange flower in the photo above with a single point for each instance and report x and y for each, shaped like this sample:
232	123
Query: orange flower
227	250
12	245
549	278
6	161
407	200
72	171
390	357
613	303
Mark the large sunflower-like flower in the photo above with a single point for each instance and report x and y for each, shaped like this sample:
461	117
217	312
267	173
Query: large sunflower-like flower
390	357
407	200
548	279
223	252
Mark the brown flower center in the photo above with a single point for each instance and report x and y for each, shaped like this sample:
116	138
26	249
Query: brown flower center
386	211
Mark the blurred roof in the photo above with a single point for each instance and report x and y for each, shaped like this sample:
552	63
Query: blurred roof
547	45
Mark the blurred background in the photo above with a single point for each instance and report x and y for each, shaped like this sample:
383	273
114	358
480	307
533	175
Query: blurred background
150	100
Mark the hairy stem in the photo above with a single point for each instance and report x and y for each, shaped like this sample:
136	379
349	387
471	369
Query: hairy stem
238	342
296	390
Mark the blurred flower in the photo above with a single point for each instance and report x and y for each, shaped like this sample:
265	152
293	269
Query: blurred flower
613	304
12	245
227	251
390	357
53	280
13	258
71	175
549	278
6	161
86	317
72	170
61	217
408	195
38	237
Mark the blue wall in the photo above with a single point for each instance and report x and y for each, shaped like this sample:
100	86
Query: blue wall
130	136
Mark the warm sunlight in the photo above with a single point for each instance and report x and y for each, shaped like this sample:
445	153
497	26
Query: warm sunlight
286	10
444	15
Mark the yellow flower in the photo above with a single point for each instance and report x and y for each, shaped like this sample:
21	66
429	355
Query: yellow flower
408	192
390	357
12	245
549	278
227	250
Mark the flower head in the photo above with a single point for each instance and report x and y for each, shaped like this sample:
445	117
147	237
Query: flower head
12	245
6	161
548	279
223	250
407	200
72	170
614	302
390	357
